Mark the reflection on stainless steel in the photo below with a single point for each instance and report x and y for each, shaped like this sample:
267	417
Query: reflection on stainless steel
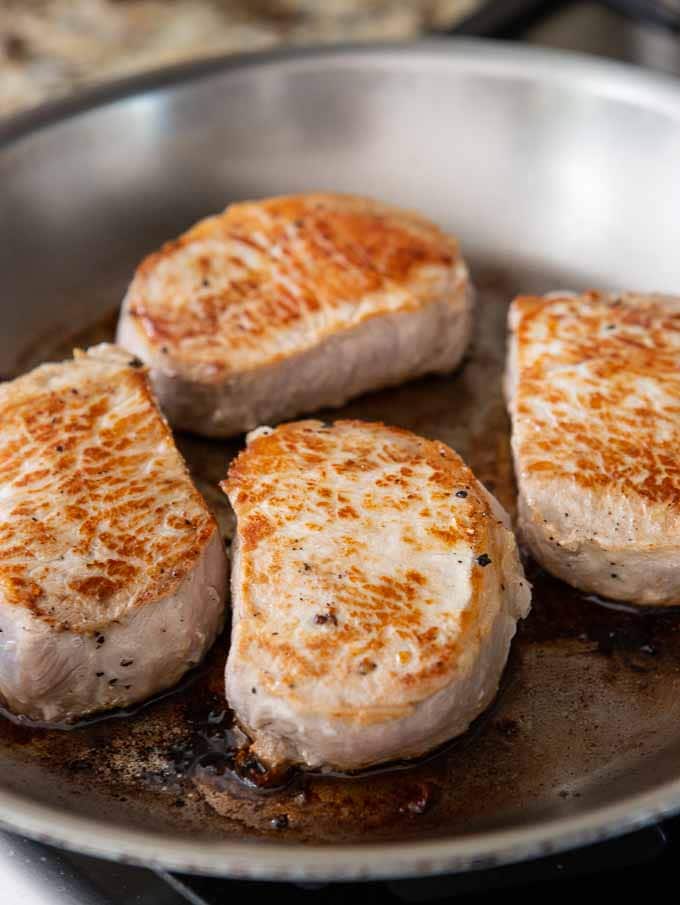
32	874
551	169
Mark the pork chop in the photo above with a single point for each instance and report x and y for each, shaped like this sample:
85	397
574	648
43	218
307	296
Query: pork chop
593	385
283	306
112	570
376	588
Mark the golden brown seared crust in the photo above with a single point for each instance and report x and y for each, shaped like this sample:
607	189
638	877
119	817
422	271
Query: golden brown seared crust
598	393
98	514
320	598
266	280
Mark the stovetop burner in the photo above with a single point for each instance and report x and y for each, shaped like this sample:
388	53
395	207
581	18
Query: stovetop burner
34	874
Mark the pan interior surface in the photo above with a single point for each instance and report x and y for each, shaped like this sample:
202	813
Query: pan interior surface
554	172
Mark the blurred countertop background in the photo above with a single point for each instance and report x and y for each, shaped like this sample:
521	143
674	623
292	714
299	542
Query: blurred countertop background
49	48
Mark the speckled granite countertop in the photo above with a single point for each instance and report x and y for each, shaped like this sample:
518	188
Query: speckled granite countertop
49	48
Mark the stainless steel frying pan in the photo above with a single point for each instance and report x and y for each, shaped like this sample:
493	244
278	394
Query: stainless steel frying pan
555	171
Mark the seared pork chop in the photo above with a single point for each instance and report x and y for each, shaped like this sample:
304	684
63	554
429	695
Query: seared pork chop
282	306
376	588
112	570
594	393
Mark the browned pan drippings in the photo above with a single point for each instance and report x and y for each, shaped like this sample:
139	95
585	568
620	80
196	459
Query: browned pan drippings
591	692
